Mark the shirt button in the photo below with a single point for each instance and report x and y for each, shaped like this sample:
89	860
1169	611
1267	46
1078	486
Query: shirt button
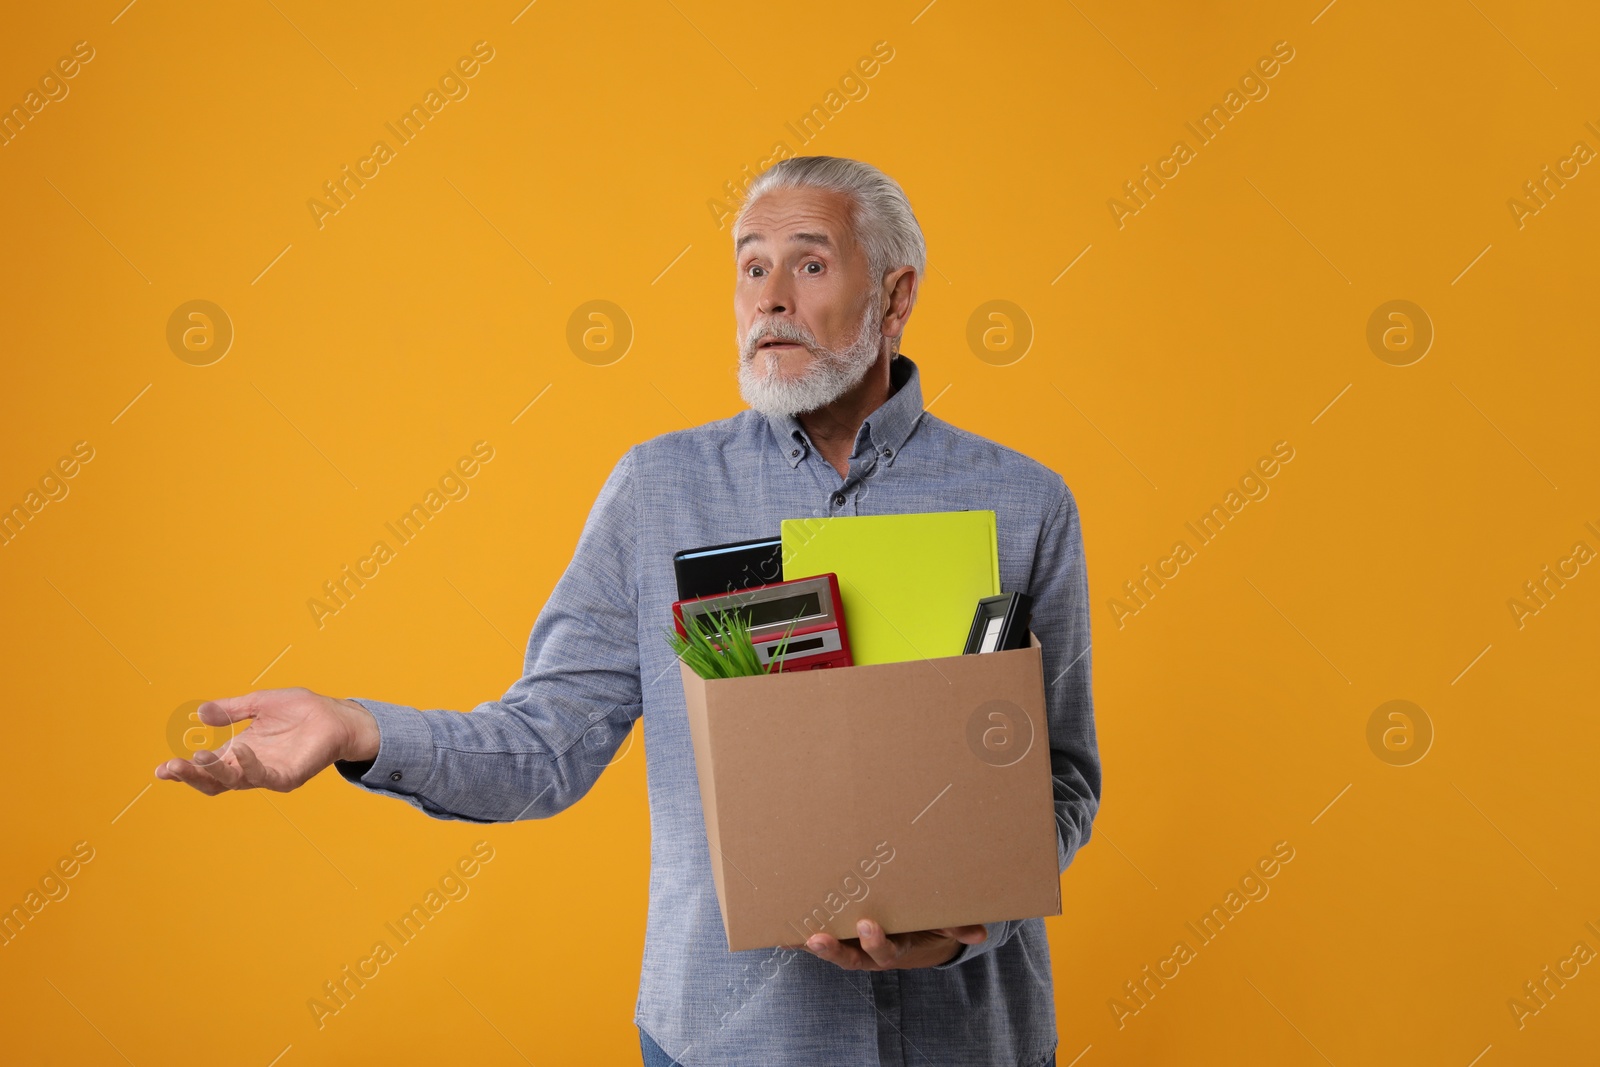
888	453
795	452
395	777
838	500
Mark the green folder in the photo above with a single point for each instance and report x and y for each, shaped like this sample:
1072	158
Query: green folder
910	583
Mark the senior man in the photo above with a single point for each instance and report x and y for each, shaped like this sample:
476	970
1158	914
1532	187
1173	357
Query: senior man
828	258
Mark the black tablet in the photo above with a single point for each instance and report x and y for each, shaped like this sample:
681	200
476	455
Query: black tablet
728	568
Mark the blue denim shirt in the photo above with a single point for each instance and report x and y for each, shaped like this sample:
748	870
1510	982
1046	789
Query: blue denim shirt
596	661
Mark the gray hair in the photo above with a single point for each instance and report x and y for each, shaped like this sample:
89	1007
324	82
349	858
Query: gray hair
880	212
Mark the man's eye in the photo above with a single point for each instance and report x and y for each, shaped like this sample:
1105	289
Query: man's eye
813	264
752	270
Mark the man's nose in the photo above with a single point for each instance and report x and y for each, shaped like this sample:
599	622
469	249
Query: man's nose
776	297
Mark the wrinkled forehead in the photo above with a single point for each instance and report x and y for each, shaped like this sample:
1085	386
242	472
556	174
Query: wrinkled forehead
799	218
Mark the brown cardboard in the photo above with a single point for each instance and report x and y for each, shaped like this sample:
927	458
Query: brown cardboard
916	794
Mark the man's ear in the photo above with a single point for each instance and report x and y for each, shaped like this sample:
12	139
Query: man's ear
900	294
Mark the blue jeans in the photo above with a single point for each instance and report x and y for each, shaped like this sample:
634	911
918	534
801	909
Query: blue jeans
656	1056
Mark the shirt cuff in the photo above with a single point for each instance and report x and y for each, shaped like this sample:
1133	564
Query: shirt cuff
404	762
998	933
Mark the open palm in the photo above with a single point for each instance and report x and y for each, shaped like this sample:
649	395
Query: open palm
293	735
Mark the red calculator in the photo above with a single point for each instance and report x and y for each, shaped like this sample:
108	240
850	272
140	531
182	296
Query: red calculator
810	605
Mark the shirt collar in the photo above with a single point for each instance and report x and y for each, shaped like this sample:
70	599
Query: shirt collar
883	432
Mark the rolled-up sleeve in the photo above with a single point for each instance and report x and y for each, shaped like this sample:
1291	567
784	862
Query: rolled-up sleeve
1059	589
540	747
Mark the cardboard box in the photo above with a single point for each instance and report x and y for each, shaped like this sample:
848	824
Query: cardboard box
917	794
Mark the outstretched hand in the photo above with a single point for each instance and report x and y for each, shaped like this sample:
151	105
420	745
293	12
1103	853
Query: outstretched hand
294	734
876	951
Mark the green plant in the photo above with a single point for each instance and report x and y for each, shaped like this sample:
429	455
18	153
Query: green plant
722	647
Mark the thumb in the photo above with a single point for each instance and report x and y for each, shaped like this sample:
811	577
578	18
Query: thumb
229	710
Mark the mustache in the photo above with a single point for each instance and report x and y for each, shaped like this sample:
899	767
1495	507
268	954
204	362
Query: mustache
777	330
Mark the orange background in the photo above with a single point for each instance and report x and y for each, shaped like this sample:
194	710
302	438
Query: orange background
1228	314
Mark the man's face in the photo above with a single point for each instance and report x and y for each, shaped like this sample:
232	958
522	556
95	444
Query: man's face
808	314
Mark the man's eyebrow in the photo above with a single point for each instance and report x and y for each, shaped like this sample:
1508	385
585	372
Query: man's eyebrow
805	238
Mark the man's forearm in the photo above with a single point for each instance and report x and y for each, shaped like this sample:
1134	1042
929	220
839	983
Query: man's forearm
498	763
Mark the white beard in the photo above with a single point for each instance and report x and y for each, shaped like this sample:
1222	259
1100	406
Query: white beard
830	375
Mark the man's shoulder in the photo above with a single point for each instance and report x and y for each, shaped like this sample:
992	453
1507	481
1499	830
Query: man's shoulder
974	451
715	436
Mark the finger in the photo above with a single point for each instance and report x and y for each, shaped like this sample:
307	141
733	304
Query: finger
224	769
180	770
876	944
837	952
967	935
253	772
